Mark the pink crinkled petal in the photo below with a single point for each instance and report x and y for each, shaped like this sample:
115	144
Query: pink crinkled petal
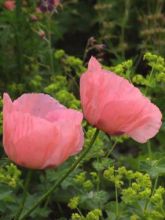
36	104
35	142
94	65
7	103
71	142
28	140
100	88
114	105
71	139
147	125
117	115
129	109
89	93
121	105
74	116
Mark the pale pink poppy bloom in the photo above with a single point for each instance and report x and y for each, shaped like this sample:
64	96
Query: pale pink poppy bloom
9	5
39	132
115	106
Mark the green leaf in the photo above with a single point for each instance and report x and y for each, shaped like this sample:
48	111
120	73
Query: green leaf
153	167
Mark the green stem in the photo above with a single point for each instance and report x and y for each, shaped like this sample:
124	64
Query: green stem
145	93
112	148
153	191
98	180
63	177
149	149
28	178
50	44
18	38
155	185
123	27
150	77
117	203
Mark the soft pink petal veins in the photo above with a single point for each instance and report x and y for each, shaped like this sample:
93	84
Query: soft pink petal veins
36	104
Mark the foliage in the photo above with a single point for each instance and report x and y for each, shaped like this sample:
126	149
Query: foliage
129	25
126	183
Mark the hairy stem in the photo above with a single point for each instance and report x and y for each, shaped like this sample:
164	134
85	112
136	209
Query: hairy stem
113	146
117	202
20	209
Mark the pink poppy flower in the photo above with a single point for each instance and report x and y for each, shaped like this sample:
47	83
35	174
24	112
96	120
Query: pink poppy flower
9	5
39	132
115	106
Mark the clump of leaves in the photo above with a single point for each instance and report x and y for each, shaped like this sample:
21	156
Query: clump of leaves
10	175
137	193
